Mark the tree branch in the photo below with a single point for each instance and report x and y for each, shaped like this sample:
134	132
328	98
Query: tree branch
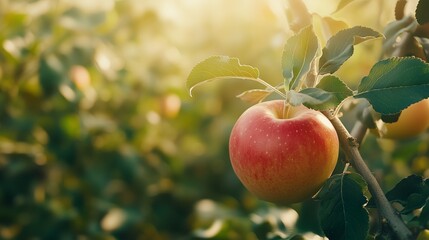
350	146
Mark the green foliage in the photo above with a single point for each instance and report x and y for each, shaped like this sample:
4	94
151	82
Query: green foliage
97	139
394	84
50	74
391	86
341	207
298	54
339	48
329	93
424	215
411	192
90	147
412	195
312	97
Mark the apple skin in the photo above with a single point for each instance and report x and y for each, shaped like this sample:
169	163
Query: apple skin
283	160
423	235
413	121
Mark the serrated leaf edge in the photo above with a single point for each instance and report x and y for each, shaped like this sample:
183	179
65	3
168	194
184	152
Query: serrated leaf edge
294	79
417	8
365	38
191	88
359	93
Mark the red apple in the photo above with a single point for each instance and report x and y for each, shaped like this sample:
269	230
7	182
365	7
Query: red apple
283	158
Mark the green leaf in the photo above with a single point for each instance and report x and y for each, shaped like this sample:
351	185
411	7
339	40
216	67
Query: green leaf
411	192
405	188
341	207
219	67
315	98
254	96
333	86
339	48
390	118
51	74
327	94
394	84
422	12
424	215
414	201
298	53
326	27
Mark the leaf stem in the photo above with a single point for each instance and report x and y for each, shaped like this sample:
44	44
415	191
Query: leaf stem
350	146
346	167
268	86
338	108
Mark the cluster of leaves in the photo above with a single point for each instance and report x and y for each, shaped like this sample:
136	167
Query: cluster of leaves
412	193
89	147
391	86
400	79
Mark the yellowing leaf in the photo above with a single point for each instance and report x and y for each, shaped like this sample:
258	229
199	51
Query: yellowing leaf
297	15
342	4
326	27
254	96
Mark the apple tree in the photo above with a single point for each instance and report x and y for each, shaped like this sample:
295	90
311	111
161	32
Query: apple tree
352	204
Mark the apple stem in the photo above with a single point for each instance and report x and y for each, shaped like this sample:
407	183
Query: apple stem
286	108
350	146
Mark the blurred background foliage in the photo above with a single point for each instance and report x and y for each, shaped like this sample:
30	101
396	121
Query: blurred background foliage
99	138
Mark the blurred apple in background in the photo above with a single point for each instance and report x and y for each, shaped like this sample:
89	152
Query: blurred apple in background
423	235
170	105
413	121
80	76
